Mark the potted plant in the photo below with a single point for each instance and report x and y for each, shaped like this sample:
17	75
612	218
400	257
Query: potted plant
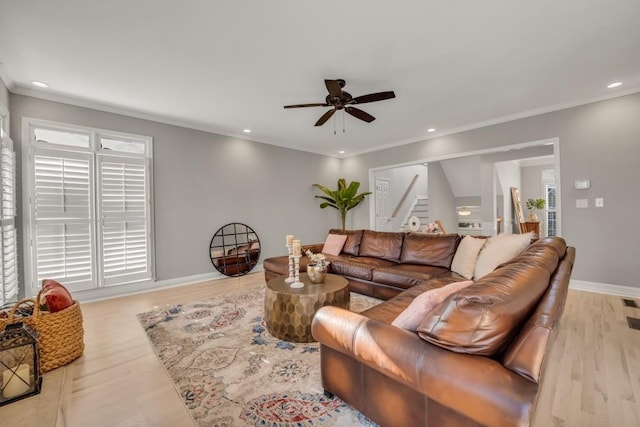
343	199
317	267
533	204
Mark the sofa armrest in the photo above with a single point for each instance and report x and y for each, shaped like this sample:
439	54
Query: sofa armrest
316	248
475	386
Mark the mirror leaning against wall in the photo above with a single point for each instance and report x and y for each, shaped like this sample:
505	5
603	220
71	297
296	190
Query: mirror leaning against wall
234	249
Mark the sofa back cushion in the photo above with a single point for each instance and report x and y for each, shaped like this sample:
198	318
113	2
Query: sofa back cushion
422	249
380	244
352	245
483	318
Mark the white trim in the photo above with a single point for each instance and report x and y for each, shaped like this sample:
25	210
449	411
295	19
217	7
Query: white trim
4	112
29	147
99	294
66	99
605	288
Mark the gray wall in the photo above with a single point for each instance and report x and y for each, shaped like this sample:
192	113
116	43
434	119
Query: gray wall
203	181
598	141
442	203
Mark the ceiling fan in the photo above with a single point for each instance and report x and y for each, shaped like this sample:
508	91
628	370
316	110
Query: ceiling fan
341	100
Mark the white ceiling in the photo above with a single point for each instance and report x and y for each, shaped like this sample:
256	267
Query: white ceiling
224	66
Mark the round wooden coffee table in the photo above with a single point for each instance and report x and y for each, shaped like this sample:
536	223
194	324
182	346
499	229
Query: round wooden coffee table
288	311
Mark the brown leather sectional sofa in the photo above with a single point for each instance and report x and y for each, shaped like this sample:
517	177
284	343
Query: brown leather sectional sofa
476	359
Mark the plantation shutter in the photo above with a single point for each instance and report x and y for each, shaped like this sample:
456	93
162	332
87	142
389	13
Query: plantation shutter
8	249
63	215
124	218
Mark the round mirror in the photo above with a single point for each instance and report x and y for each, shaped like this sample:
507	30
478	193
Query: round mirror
234	249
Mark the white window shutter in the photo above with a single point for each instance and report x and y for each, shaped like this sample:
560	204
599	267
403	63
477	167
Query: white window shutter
124	218
63	194
8	249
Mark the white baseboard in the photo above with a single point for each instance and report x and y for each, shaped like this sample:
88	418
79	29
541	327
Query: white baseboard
141	287
605	288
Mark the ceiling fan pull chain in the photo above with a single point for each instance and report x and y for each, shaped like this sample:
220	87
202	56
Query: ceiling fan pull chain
334	125
343	121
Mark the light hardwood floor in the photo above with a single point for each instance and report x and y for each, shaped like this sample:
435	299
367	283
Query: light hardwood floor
592	376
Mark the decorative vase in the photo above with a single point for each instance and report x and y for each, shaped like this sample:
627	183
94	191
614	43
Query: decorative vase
316	272
532	217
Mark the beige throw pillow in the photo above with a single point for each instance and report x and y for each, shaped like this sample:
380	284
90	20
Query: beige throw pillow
500	249
464	261
412	316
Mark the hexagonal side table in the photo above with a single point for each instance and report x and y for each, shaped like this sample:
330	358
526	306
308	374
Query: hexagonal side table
288	311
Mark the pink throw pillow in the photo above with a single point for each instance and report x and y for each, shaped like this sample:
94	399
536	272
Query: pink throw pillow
334	244
412	316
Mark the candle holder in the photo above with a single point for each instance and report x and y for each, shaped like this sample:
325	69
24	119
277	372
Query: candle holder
297	283
19	363
291	278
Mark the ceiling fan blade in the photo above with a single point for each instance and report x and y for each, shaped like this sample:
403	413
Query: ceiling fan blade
372	97
356	112
306	105
326	116
334	88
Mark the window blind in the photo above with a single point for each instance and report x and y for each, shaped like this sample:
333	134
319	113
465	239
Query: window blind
62	207
124	218
8	248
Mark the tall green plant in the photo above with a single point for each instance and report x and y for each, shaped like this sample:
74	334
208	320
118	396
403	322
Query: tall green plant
343	199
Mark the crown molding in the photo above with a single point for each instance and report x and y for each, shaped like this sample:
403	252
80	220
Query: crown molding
498	120
6	77
49	95
95	105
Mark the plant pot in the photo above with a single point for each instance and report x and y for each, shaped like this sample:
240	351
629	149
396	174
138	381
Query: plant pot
532	217
316	273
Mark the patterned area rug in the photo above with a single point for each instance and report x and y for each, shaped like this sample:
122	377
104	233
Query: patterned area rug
230	371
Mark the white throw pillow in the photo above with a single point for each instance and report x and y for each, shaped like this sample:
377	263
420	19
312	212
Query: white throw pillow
412	316
464	261
500	249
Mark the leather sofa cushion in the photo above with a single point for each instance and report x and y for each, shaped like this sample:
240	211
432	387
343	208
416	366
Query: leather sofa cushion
406	275
352	245
382	245
280	264
482	318
358	267
423	249
389	310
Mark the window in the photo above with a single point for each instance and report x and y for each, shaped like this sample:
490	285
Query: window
88	195
8	253
549	184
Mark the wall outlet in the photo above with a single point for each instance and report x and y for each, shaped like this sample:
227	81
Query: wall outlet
582	203
599	202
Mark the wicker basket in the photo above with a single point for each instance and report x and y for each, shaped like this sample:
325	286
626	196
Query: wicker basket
61	335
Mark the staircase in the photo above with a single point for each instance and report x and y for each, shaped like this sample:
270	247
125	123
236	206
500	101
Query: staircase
420	209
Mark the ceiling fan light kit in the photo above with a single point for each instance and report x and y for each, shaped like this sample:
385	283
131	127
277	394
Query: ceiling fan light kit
341	100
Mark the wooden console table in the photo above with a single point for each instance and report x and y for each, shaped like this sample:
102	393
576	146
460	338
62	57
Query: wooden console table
532	226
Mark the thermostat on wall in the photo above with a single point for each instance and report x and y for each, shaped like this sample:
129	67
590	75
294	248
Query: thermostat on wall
582	185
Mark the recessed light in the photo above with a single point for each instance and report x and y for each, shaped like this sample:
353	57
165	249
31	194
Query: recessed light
613	85
247	131
341	152
39	84
431	130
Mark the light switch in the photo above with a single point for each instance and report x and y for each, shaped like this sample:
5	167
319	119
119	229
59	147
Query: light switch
582	203
582	184
599	202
